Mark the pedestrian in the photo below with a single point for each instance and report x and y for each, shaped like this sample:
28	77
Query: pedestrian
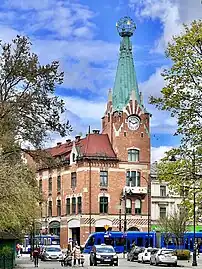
36	257
76	253
18	250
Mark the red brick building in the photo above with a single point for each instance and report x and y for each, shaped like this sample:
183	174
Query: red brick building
86	192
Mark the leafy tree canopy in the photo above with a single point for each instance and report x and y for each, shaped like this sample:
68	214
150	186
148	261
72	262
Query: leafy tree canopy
29	112
182	95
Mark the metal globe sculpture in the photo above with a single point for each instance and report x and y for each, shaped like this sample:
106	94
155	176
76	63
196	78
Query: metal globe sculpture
125	26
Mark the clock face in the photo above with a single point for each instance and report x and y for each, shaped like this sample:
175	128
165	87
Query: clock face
133	123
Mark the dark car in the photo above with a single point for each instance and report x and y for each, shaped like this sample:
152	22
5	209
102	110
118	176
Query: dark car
103	254
133	254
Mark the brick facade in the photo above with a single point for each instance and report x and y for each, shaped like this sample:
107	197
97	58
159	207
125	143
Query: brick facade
77	226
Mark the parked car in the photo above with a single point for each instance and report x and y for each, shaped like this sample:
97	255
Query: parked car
103	254
52	253
145	255
133	254
164	256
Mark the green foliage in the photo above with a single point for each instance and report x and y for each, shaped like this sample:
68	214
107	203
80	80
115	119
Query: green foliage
6	250
182	95
29	110
174	224
183	254
183	177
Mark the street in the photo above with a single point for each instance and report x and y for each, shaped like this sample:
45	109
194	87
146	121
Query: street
24	262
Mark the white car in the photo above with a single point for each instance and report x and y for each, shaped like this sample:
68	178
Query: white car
145	255
164	256
52	253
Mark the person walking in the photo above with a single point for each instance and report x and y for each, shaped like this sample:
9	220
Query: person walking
76	253
36	257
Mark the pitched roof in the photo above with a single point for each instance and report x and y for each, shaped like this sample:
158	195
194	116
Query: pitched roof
93	145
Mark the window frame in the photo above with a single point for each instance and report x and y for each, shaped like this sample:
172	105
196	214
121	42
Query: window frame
79	205
50	184
59	183
73	180
68	206
40	185
160	211
129	209
104	204
50	208
103	177
163	191
74	206
59	208
133	155
136	179
138	210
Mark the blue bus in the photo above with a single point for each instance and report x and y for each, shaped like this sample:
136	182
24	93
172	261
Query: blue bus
119	240
40	240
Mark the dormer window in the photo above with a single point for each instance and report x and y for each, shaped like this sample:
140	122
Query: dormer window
73	157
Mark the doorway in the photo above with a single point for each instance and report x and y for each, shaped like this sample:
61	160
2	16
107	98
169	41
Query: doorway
76	235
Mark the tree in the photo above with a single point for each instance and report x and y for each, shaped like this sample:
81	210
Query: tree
29	112
174	224
182	95
183	175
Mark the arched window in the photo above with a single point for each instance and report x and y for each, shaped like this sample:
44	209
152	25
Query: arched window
103	204
133	155
128	206
138	206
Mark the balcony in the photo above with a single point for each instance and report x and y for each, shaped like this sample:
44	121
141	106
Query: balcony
135	190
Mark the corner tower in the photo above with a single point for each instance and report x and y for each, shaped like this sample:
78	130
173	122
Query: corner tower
126	120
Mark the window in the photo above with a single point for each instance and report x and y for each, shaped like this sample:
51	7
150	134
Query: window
162	212
103	204
133	178
138	207
50	208
59	183
73	205
128	206
73	157
50	184
103	178
73	180
79	204
162	191
68	206
58	207
40	185
133	155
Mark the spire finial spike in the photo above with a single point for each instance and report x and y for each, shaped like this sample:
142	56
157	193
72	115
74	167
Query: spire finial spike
89	129
110	95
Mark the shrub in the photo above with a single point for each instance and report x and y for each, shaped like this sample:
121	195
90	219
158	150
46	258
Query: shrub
6	250
183	254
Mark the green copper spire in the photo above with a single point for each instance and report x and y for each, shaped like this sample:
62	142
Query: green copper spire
125	81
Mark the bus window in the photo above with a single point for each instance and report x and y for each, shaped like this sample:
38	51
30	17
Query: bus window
45	241
49	241
139	241
120	241
99	241
109	241
91	241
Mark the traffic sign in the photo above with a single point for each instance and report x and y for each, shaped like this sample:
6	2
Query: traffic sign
106	227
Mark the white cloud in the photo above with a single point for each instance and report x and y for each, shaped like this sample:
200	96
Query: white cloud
158	153
171	13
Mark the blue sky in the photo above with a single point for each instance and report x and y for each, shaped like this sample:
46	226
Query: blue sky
81	34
